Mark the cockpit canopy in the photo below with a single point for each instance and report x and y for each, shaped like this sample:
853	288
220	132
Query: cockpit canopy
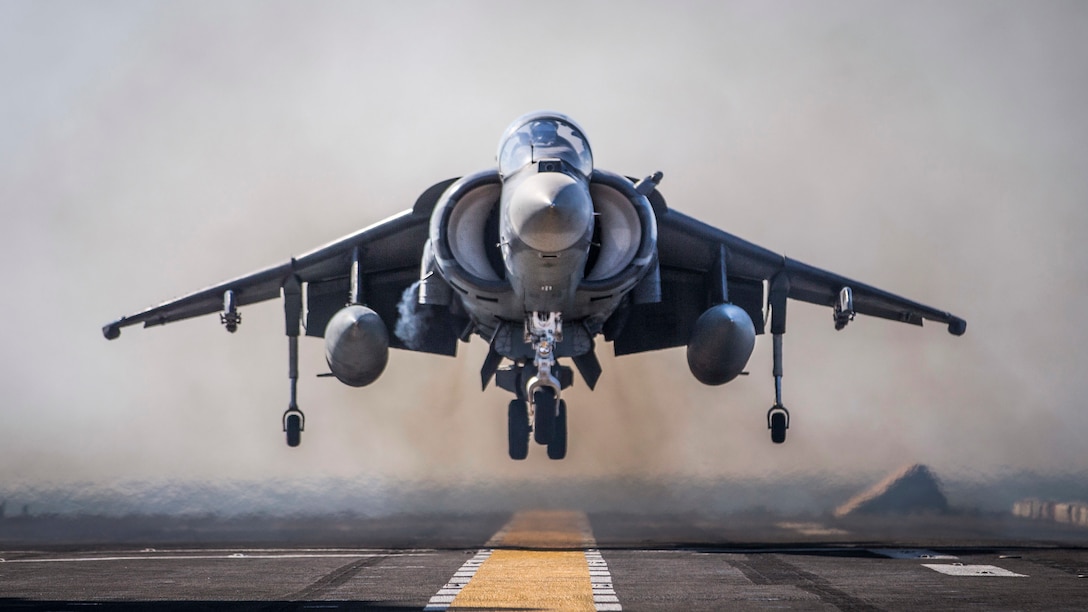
544	135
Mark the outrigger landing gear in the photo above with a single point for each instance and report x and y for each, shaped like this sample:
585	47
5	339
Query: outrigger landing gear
778	421
294	422
778	418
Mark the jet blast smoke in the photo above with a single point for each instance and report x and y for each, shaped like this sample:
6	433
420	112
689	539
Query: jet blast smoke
934	150
413	318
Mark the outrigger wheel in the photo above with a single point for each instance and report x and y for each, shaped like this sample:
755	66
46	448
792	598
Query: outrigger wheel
293	424
778	421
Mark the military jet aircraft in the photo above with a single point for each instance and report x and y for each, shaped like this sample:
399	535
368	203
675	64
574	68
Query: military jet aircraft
540	257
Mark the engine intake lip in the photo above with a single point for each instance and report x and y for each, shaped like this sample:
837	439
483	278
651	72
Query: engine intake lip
643	258
445	258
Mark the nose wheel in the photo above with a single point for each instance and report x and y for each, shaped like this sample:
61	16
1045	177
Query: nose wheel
546	410
518	429
557	448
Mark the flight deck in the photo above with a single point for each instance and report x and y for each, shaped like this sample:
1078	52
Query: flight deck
549	559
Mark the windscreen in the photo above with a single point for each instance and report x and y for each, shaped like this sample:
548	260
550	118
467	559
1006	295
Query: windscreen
544	136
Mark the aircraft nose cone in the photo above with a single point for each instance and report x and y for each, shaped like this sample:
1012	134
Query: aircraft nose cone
551	211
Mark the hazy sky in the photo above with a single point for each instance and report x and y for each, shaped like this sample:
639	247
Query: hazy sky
937	150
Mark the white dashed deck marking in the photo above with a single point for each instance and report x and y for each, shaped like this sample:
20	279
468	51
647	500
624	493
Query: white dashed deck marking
445	596
604	596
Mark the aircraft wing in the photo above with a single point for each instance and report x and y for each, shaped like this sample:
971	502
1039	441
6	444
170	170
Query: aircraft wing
690	256
389	258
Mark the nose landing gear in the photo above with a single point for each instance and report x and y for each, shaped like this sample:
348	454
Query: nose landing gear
538	408
544	420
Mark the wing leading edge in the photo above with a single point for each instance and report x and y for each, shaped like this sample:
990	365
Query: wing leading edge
331	260
389	254
691	253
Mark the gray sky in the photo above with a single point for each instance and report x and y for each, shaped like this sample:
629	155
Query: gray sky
937	150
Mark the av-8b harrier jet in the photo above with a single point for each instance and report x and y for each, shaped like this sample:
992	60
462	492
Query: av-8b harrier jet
540	257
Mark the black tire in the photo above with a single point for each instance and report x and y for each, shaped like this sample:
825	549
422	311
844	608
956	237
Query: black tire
294	430
544	425
557	448
518	430
778	428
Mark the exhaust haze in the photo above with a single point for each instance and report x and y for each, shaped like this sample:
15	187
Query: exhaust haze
150	149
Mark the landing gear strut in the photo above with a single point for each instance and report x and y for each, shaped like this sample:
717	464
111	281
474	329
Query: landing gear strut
542	331
294	422
778	418
538	408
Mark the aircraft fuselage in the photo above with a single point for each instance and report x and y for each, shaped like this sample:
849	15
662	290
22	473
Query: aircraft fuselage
546	225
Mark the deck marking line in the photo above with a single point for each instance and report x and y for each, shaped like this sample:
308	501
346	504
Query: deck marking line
958	569
232	557
910	553
604	596
445	596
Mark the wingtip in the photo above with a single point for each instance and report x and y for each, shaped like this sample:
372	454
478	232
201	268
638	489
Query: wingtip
957	326
112	331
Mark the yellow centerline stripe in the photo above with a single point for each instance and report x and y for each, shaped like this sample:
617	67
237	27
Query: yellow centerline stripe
530	579
540	560
545	529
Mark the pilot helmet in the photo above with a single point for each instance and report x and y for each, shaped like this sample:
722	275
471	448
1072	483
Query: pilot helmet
544	131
